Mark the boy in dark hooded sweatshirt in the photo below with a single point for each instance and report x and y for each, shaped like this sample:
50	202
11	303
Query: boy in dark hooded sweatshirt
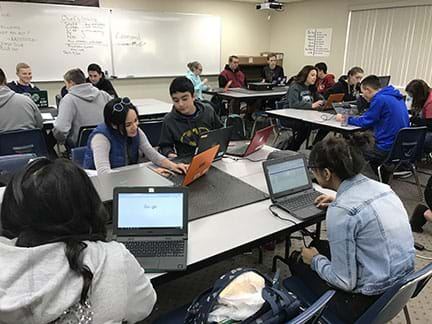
188	119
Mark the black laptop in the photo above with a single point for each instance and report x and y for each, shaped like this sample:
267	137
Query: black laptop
290	186
40	98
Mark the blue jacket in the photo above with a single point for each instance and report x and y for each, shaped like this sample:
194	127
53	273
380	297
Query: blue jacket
19	88
371	243
199	86
386	116
118	155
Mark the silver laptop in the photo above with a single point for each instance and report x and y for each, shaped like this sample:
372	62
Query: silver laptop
152	222
290	186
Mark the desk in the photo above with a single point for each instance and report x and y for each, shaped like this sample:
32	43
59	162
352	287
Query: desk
242	93
151	108
320	118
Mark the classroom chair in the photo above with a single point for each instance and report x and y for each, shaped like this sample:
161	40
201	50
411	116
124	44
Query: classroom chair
23	141
84	134
77	154
12	163
152	129
390	304
309	315
407	149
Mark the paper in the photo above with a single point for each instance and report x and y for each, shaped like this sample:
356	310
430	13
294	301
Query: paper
47	116
318	42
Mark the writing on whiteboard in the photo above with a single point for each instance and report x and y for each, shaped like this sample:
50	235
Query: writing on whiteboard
14	38
129	40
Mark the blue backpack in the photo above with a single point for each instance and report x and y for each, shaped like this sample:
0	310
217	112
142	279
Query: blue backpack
280	305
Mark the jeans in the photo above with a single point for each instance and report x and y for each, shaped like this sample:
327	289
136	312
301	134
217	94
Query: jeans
345	305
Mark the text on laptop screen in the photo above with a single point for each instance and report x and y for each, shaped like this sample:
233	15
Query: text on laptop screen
150	210
287	175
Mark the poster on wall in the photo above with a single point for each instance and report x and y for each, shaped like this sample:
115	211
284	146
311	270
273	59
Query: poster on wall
317	42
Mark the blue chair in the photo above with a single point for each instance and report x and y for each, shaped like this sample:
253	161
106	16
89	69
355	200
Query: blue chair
77	154
23	141
83	135
152	129
12	163
407	149
384	309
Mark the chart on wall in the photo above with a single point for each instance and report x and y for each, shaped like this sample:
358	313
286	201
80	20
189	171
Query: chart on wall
53	38
146	44
318	41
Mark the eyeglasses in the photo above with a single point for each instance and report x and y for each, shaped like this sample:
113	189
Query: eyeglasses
120	106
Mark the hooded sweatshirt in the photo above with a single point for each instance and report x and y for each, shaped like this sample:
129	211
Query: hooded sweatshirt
105	85
82	106
19	88
199	86
237	77
301	96
386	116
180	133
324	84
17	111
351	91
37	284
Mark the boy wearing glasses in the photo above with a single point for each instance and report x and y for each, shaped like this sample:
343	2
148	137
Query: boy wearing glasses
183	126
82	106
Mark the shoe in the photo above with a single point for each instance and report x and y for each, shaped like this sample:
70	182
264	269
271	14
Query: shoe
403	174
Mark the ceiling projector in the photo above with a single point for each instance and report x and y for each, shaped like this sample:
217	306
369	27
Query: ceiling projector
269	5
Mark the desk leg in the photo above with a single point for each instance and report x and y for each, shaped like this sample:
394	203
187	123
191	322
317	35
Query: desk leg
287	245
318	230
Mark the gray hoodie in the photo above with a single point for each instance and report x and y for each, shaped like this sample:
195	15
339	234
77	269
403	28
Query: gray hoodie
82	106
17	111
37	284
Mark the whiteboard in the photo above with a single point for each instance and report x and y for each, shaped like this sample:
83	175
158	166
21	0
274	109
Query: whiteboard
53	39
146	44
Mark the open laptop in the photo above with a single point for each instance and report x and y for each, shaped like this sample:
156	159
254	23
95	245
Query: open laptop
384	80
152	222
290	186
40	98
258	141
335	97
199	166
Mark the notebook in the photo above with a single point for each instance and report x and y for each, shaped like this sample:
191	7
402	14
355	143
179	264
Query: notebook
199	166
258	141
290	186
152	222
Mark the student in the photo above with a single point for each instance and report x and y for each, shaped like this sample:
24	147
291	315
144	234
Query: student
386	116
422	213
119	141
325	80
348	84
421	107
193	74
23	85
302	94
370	245
97	78
232	73
272	73
17	111
59	263
82	106
189	118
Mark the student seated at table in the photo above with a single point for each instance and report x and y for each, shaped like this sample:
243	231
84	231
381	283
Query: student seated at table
57	263
17	111
82	106
386	116
325	80
273	73
189	118
119	141
421	108
302	94
23	84
193	74
97	78
232	73
348	84
370	245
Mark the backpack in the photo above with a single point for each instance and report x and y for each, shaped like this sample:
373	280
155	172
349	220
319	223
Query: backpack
280	305
239	129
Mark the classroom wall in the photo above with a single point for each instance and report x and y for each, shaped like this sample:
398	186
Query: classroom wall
245	31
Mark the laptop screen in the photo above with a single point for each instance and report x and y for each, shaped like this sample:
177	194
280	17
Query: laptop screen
150	210
288	176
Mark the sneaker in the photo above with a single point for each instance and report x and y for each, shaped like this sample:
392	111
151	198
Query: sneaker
403	174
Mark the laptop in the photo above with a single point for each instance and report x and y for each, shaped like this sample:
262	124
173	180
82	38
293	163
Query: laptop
152	222
335	97
199	166
40	98
258	141
343	107
384	80
290	186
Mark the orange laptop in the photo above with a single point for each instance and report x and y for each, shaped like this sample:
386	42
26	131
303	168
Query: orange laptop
199	166
336	97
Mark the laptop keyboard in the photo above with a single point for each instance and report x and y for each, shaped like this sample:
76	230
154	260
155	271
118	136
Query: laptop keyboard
300	202
156	248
